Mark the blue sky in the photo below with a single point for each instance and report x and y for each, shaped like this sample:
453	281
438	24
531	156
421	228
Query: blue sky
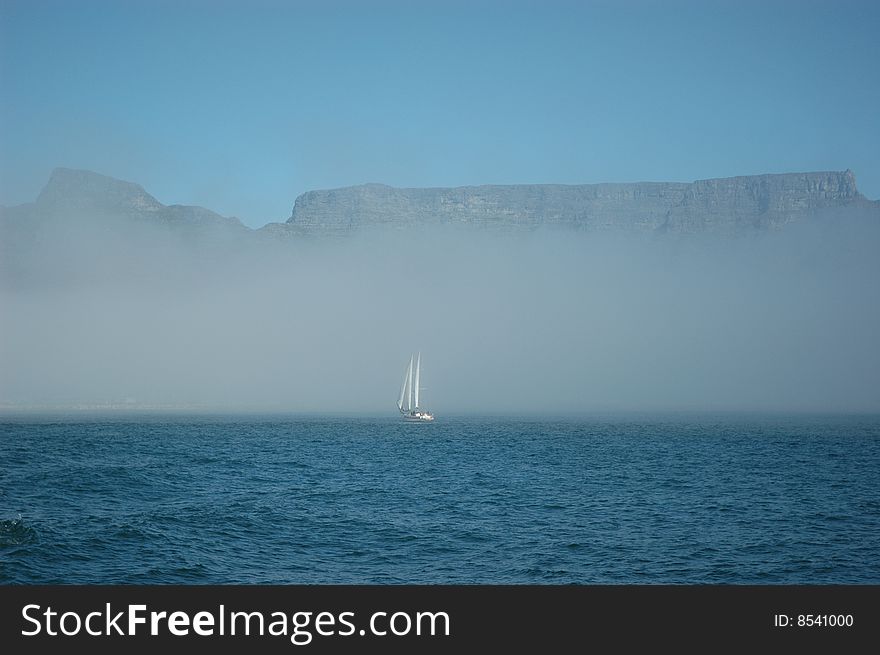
241	106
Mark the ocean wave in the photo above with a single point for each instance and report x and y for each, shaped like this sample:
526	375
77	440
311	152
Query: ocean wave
15	532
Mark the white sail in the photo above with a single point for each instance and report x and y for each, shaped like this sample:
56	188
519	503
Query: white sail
416	385
403	389
408	383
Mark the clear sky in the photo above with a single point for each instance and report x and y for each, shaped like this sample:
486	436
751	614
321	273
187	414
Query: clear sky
241	106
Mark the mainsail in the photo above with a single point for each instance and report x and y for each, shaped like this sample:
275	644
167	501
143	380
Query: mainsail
416	385
406	390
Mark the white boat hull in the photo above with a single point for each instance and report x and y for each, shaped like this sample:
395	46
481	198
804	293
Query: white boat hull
418	417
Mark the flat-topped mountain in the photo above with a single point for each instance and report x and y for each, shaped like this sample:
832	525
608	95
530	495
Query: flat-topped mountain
75	200
728	205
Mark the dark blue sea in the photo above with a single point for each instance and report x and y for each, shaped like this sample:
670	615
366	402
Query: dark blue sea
281	499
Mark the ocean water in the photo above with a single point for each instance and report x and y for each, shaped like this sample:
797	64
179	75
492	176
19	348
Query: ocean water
281	499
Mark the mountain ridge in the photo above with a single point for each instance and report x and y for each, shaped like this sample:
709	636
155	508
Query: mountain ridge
81	193
728	205
723	205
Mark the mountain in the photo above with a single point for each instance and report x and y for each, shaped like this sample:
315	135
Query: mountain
85	226
69	189
76	201
725	206
101	200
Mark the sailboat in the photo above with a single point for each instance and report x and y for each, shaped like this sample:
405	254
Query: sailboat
408	403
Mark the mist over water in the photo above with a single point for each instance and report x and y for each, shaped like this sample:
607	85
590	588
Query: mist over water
539	322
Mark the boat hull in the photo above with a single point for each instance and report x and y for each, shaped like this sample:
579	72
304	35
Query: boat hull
422	417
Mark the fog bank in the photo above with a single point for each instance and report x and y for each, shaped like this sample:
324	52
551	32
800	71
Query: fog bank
543	322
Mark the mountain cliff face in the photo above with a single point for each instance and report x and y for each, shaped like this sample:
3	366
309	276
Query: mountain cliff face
728	205
75	201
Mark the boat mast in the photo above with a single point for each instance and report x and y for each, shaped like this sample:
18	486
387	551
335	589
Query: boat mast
418	368
409	371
